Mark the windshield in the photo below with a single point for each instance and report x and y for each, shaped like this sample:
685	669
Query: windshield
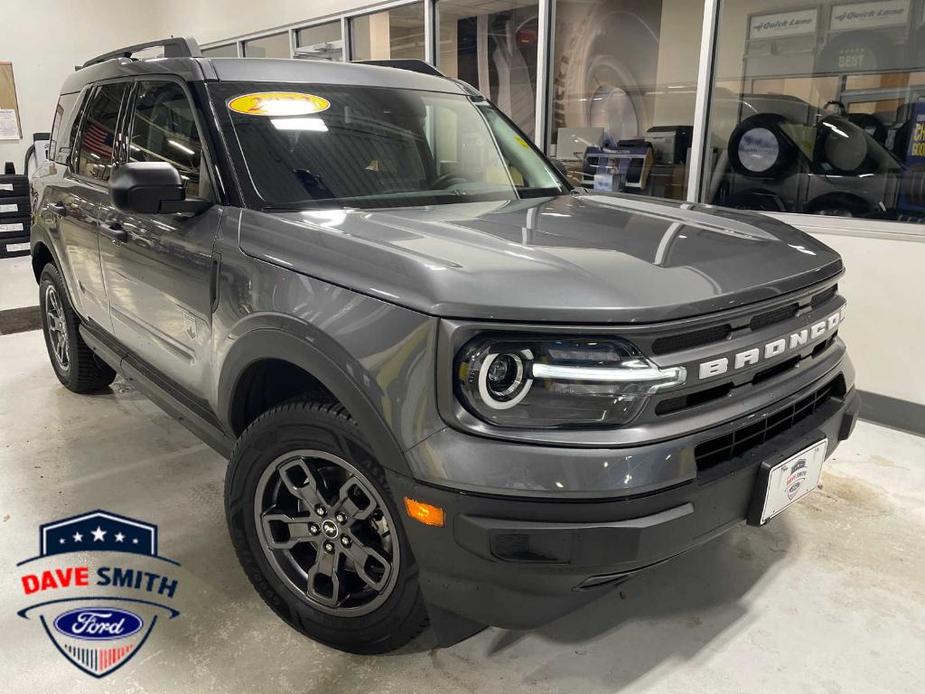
342	146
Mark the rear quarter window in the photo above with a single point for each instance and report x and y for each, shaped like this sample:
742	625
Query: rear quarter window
64	128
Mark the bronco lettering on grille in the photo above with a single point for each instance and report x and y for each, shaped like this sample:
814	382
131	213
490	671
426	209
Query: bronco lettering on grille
785	343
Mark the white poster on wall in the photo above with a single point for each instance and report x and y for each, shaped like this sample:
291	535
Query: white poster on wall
783	24
9	127
869	15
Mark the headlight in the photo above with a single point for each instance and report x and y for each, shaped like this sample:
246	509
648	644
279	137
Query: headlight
555	383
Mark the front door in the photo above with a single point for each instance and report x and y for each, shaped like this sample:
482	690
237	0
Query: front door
158	274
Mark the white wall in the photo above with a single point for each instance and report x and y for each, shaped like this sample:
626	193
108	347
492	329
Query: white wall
885	329
45	39
212	20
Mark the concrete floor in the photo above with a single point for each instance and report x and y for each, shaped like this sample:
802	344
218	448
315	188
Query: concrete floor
17	285
827	598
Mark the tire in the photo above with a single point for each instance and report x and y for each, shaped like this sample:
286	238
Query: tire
289	460
758	199
761	135
74	363
840	205
843	146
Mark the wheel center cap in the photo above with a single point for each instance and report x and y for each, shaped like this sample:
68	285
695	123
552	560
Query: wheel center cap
330	529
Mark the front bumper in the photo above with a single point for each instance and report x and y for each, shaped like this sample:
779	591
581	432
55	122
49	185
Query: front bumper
520	561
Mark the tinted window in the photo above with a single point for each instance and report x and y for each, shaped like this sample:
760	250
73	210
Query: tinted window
493	46
98	131
625	76
163	129
366	147
389	35
70	123
819	109
229	50
275	46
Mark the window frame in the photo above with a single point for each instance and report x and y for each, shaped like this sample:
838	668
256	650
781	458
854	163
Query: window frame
369	12
73	158
544	100
215	186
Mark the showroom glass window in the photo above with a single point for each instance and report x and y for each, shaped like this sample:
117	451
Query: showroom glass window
322	41
495	50
819	109
275	46
229	50
392	34
624	85
98	131
163	129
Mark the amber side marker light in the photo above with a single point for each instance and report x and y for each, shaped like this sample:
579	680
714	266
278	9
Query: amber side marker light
424	513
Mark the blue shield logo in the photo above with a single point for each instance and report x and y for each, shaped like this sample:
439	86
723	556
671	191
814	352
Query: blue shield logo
106	588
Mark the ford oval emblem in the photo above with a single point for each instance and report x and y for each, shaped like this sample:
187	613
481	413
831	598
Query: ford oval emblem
98	623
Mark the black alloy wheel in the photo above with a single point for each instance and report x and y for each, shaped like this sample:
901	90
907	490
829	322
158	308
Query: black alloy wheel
317	530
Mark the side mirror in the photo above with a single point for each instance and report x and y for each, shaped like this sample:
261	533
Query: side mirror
151	187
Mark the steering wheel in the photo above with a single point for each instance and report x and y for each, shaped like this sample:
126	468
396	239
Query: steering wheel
447	180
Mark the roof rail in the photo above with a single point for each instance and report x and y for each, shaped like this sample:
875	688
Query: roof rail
173	48
405	64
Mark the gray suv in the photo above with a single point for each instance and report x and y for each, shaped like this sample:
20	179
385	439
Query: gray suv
454	390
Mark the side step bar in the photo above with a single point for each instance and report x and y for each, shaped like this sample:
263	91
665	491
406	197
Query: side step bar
188	413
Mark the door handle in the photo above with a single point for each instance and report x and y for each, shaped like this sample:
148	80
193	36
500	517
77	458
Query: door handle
51	213
114	231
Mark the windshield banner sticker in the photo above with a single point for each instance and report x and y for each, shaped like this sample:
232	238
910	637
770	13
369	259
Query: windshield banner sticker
278	104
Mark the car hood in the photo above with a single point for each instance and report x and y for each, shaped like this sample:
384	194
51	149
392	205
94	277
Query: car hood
576	258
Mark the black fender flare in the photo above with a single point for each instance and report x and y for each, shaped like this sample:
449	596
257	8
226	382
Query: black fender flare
274	343
41	237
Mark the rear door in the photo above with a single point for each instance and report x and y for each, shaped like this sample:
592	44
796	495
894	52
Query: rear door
78	195
159	275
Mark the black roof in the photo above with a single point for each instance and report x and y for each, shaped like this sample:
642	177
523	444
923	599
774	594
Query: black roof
184	60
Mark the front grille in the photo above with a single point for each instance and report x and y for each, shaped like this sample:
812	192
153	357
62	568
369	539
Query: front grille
822	297
718	333
670	405
778	315
723	448
676	343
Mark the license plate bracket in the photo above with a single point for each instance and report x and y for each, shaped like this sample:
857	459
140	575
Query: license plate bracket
782	484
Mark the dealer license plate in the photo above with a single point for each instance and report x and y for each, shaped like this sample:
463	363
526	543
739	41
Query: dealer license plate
16	247
793	479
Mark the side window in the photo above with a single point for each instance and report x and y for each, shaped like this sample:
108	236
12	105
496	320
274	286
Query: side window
55	127
163	129
67	120
94	158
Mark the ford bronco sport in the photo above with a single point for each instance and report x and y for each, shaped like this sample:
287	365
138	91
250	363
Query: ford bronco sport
453	388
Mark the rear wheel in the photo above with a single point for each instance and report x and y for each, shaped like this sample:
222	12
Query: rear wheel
74	363
317	532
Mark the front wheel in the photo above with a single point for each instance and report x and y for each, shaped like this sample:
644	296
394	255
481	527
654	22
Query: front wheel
317	532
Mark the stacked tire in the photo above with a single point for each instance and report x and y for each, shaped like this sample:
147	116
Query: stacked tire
15	215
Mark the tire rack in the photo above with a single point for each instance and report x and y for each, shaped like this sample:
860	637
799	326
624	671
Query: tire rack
15	214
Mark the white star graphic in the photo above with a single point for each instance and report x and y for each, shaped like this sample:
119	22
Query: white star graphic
119	537
98	534
61	541
78	537
135	541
